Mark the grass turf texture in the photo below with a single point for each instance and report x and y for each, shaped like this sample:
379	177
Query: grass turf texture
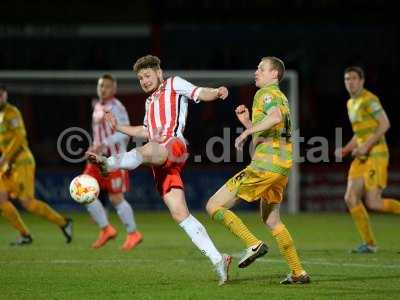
167	266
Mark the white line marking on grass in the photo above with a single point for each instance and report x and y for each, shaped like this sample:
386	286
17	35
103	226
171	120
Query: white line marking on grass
141	261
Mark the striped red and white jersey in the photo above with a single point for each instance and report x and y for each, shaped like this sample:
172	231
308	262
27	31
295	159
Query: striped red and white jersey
166	109
115	142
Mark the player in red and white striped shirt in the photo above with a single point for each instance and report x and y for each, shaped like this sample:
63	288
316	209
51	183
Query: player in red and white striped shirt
163	126
106	141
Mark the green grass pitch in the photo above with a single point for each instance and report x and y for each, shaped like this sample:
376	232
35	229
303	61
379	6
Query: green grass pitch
167	266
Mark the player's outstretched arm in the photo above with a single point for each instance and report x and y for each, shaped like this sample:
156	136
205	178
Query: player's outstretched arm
135	131
210	94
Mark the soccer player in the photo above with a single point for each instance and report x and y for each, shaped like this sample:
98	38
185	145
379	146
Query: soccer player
163	126
17	175
368	172
108	142
267	175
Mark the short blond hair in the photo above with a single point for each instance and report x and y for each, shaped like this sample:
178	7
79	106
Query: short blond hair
276	64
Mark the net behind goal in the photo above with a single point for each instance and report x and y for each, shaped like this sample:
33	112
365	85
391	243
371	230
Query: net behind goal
63	99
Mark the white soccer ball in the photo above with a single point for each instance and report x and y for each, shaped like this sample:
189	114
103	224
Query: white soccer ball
84	189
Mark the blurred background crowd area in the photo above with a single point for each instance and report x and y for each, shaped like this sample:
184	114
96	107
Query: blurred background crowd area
317	39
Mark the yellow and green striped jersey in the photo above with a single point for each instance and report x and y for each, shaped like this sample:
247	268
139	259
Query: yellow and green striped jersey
273	150
362	111
13	142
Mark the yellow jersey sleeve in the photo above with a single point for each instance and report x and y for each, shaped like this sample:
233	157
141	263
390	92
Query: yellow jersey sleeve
13	135
373	107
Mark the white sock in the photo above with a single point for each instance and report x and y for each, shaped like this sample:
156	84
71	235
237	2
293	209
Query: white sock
198	234
97	212
127	161
125	213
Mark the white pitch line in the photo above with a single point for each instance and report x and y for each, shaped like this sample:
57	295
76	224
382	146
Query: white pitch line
141	261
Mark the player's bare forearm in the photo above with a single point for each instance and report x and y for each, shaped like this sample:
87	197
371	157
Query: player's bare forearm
247	124
350	146
135	131
268	122
210	94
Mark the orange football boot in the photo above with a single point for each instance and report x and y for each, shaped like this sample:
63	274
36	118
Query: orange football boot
132	240
106	234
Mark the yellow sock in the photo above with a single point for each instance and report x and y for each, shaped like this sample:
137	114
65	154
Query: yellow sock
391	206
11	214
40	208
235	225
361	218
287	248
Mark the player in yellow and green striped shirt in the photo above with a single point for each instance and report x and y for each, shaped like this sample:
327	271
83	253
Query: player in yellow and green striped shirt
368	172
17	175
267	175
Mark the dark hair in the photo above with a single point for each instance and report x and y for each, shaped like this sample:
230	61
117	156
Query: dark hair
355	69
3	87
148	61
276	64
109	77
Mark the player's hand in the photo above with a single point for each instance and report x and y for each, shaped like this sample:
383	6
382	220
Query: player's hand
340	153
360	151
241	139
111	120
243	114
222	92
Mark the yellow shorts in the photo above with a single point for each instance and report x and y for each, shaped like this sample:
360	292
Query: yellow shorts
373	170
251	184
19	182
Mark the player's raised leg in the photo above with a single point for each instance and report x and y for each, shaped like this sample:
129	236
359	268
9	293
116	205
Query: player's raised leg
176	203
25	177
151	154
218	207
375	202
43	210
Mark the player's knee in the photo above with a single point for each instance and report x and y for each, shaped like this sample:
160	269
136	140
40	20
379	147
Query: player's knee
179	216
373	203
28	204
350	198
272	221
210	207
3	197
151	153
115	199
145	152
